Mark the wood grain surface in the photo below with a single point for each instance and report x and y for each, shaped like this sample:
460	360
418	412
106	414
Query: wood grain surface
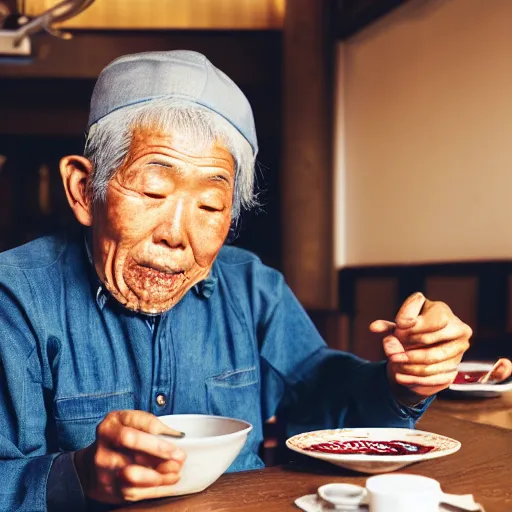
495	411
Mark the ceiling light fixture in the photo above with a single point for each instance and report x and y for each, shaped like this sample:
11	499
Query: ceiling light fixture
17	43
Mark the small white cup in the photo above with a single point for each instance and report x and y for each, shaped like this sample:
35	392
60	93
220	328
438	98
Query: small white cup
345	497
399	492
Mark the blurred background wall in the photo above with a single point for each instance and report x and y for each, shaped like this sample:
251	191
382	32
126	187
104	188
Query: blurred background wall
426	173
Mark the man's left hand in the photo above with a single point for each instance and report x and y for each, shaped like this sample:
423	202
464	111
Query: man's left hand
424	346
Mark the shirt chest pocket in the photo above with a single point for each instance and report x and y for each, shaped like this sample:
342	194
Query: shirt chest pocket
77	417
234	393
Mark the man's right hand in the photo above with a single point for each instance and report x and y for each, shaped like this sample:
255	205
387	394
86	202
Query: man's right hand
128	462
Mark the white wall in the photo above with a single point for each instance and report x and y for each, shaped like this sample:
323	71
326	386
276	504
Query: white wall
424	136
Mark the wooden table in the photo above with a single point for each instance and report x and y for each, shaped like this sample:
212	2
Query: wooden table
489	411
482	467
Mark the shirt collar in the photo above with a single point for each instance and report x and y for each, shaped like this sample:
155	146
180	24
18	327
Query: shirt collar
204	288
101	294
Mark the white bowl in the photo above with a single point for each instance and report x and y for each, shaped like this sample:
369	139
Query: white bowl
211	444
373	463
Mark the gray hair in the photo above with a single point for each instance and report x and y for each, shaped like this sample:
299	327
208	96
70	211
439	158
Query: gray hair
109	141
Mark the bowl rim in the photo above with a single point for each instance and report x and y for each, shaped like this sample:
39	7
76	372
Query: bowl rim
359	457
206	440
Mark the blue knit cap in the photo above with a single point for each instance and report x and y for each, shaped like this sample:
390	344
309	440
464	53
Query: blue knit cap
179	74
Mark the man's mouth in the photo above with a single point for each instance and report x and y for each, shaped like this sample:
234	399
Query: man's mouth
158	276
152	278
162	272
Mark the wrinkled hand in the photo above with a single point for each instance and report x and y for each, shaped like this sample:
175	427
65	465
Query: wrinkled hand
128	462
501	371
424	346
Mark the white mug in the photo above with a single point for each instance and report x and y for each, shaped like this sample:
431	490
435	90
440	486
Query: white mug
398	492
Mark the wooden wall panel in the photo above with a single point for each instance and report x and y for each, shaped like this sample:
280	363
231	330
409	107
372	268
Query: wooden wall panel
175	14
375	299
307	172
247	57
479	292
334	327
459	292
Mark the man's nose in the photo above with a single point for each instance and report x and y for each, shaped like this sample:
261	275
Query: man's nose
171	231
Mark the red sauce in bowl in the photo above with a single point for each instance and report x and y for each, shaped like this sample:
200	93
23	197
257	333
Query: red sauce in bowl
468	377
365	447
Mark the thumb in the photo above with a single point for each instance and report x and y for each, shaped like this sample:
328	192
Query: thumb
147	422
410	310
394	350
380	326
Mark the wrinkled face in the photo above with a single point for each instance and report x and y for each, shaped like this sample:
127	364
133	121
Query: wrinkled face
167	214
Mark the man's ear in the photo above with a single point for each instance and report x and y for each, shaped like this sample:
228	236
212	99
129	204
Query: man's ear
76	171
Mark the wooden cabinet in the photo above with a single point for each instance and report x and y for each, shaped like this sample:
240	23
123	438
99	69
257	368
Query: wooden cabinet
173	14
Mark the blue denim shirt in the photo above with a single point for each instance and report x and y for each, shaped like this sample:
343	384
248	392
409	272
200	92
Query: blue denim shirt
238	344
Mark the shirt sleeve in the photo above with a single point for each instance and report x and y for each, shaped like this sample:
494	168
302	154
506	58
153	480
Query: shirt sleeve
314	387
63	486
29	458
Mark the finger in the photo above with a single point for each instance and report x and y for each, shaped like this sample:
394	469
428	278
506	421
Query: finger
169	466
434	317
135	430
502	370
128	438
139	476
143	459
145	421
393	348
435	353
380	326
453	331
410	310
426	370
148	493
441	379
109	460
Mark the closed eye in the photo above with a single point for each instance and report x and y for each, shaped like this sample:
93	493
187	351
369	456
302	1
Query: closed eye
207	208
160	164
153	195
221	178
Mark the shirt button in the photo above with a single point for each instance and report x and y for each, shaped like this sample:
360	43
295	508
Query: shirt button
161	400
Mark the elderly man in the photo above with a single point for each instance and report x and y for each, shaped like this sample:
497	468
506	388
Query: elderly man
143	311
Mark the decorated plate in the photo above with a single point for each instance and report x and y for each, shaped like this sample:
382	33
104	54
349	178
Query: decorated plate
372	450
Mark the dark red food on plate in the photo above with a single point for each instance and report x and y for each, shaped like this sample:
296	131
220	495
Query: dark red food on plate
364	447
468	377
